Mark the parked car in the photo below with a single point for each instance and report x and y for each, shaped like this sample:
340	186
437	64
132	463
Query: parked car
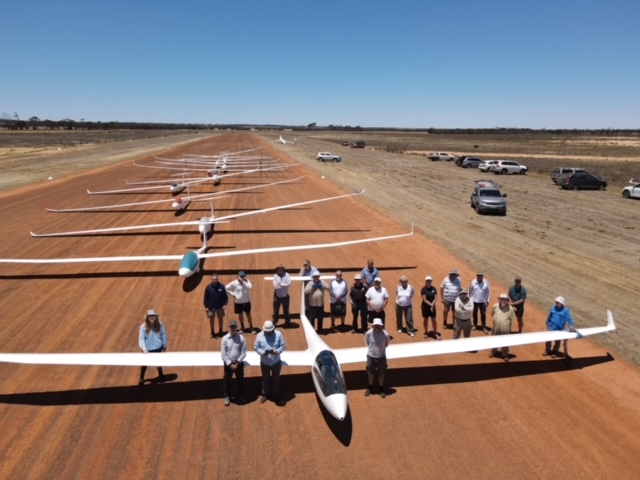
503	167
582	181
328	157
345	143
434	157
486	165
633	190
359	144
556	173
487	198
471	162
459	159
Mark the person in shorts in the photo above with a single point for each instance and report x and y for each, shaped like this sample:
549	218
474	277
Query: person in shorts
377	340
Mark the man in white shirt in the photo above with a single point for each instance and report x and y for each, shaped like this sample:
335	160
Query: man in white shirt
404	307
281	285
480	292
240	289
377	299
338	290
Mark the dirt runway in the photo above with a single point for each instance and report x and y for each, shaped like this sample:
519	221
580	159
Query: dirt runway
453	416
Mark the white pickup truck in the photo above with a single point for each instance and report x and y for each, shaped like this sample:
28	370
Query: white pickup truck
440	156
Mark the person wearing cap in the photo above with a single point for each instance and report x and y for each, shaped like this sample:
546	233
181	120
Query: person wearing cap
503	315
404	305
240	289
269	345
377	299
449	292
377	340
152	339
369	274
557	320
480	294
518	295
428	307
338	291
314	291
358	299
463	308
233	350
281	285
215	303
307	270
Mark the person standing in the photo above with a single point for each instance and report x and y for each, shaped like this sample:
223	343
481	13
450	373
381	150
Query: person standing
428	307
281	285
377	340
307	270
518	295
269	345
152	338
404	305
233	350
215	303
463	307
449	292
503	315
314	290
557	320
480	293
369	274
358	299
377	299
338	291
240	289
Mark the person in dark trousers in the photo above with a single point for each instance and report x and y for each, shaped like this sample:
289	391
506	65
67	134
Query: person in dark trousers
233	350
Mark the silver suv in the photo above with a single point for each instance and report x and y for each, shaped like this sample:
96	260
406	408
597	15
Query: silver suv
487	198
502	167
328	157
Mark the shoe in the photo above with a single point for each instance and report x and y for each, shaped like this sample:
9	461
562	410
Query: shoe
485	330
213	334
425	336
399	330
162	379
226	401
279	401
382	394
546	353
438	336
411	334
141	381
263	399
355	330
255	331
491	355
242	400
554	354
367	392
506	359
333	328
474	328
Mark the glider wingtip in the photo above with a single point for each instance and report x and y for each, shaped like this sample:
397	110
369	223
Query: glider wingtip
610	322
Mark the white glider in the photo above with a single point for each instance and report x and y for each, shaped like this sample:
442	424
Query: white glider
325	362
203	221
286	142
178	203
190	261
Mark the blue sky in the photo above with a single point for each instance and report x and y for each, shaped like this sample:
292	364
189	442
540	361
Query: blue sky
416	64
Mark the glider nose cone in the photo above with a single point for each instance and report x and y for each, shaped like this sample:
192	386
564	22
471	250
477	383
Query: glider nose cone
337	405
189	264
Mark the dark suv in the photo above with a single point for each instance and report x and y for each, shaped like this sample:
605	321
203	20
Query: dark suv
582	181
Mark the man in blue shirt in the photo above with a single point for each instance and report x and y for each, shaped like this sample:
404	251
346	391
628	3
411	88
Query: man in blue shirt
557	320
215	303
269	345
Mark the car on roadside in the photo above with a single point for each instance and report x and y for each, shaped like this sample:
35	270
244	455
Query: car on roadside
504	167
328	157
434	157
486	165
556	173
471	162
488	198
582	181
633	190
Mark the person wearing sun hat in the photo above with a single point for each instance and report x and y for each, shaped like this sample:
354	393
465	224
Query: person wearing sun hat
240	288
152	339
269	345
557	320
314	290
503	316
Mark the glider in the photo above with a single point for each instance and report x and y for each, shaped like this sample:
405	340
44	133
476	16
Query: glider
325	362
178	203
203	221
190	261
285	142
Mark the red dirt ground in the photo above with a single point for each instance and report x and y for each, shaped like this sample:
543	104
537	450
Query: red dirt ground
452	416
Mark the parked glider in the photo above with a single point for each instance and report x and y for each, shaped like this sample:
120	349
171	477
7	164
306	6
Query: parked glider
325	362
286	142
203	222
190	261
177	203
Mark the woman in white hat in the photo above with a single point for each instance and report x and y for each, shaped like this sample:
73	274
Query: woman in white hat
503	315
152	339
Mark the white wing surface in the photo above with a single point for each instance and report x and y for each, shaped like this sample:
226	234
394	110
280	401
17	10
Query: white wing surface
421	349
